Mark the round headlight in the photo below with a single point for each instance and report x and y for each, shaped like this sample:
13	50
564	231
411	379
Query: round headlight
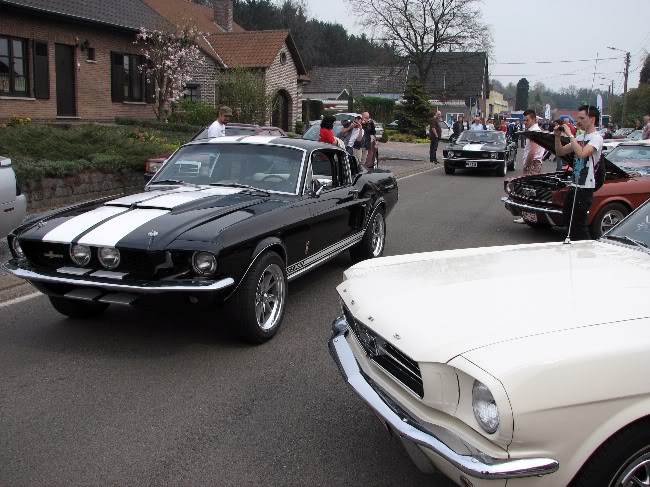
17	249
485	407
80	254
204	263
109	257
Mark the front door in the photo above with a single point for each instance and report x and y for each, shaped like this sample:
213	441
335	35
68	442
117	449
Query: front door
65	92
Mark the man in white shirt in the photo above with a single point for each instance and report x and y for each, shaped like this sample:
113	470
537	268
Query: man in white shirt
352	135
218	127
476	124
587	148
646	128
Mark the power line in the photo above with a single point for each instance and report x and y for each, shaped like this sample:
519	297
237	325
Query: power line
555	62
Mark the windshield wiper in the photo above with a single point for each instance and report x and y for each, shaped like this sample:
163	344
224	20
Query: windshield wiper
171	181
252	189
629	240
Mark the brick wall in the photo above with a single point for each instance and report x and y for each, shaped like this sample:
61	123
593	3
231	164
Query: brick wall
92	79
206	76
285	76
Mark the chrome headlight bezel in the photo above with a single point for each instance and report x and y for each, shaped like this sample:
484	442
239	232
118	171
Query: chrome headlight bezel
109	257
485	408
16	249
80	250
204	264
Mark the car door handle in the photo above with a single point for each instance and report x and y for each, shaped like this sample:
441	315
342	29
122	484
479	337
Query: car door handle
354	193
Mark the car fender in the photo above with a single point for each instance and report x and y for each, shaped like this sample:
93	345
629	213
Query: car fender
607	200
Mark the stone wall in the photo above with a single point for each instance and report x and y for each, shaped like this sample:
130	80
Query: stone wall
206	77
52	193
285	77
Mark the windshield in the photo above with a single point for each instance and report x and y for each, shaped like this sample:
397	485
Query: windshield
314	132
636	226
482	136
636	135
632	158
266	167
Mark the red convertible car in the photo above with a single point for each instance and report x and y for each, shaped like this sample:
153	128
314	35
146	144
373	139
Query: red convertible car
539	198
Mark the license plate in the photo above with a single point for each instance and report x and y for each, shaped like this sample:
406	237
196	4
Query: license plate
471	164
529	217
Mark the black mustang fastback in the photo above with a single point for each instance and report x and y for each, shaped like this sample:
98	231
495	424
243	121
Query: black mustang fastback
229	221
481	149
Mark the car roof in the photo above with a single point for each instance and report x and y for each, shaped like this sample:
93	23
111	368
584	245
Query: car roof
303	144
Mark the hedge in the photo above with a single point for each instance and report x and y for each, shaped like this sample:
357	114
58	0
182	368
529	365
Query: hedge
156	125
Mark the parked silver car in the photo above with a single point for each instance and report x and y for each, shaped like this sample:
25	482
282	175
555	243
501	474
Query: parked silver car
13	203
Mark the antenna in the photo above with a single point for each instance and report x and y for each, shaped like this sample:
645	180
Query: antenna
567	240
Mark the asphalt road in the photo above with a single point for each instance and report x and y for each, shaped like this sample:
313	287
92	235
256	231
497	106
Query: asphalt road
166	397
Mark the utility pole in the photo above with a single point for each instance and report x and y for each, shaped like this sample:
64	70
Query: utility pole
627	72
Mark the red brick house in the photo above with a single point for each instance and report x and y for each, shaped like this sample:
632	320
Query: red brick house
76	59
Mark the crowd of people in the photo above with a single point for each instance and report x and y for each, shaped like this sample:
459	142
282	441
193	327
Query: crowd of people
357	136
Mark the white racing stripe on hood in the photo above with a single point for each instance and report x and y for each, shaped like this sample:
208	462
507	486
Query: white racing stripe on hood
473	147
147	195
111	232
74	227
172	200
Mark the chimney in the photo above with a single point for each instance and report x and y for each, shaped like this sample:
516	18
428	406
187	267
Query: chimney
223	14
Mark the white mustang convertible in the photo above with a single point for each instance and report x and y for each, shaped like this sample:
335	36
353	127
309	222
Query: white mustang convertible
493	384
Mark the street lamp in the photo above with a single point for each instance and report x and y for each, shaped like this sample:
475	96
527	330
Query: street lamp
626	73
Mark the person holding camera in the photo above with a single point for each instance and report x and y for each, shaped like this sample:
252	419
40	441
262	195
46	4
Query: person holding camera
352	136
587	148
369	135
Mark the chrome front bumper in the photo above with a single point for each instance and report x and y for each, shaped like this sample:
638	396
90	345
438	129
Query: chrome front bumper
480	465
132	286
552	216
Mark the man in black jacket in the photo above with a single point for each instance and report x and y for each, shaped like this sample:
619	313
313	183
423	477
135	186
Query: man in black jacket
369	135
459	126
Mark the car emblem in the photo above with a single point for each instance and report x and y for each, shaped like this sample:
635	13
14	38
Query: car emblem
530	192
52	255
41	224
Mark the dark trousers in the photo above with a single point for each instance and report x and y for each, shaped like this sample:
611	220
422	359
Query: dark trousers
433	149
522	141
579	228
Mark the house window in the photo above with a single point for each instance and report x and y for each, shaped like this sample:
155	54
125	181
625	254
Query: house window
90	54
283	58
13	66
132	80
192	92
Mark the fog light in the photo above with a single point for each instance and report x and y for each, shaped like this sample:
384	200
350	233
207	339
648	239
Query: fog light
17	249
204	263
80	255
109	257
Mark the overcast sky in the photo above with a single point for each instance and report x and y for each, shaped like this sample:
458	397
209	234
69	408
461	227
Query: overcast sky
526	30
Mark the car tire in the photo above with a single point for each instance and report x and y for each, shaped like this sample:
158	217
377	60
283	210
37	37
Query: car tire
512	165
74	308
617	457
374	240
449	170
608	216
502	171
255	317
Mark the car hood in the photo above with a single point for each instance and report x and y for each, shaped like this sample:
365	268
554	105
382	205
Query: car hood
547	141
435	306
149	220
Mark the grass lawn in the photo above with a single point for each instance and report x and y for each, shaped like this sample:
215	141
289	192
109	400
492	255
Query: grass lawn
38	151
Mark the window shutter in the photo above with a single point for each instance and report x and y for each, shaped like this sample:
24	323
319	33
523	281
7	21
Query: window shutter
117	77
41	70
149	86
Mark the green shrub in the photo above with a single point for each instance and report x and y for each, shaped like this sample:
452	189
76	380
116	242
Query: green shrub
384	137
300	127
196	113
156	125
39	151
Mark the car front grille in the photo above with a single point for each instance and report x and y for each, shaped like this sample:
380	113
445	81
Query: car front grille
46	254
404	369
532	192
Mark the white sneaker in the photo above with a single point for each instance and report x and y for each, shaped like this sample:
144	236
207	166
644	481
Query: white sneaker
519	220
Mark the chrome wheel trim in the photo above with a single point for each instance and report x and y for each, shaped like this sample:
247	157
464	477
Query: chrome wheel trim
636	474
378	234
610	219
269	297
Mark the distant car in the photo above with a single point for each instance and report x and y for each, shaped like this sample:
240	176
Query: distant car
482	149
153	165
393	125
341	117
314	132
610	144
379	130
13	203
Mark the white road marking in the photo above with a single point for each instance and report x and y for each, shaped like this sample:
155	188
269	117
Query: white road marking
421	172
20	299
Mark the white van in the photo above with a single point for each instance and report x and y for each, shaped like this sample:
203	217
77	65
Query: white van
13	203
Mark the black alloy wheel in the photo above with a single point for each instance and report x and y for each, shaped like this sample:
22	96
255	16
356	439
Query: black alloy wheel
78	309
374	240
257	308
